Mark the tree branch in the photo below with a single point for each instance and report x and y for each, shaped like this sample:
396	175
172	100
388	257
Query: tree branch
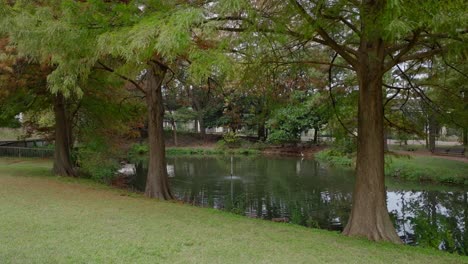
395	87
343	51
333	99
104	67
404	51
419	55
309	62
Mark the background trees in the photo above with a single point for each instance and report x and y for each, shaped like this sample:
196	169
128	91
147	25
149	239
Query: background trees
256	55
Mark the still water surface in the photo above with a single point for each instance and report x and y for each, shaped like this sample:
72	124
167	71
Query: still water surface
309	193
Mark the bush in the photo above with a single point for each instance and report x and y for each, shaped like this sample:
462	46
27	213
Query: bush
336	158
345	145
138	150
230	140
281	136
97	159
97	165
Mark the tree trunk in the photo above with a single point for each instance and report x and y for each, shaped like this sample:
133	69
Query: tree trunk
261	131
426	130
201	122
465	137
369	216
385	139
62	158
316	128
174	133
432	132
174	128
157	181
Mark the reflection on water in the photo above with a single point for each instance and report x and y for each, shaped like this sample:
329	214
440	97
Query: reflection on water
308	193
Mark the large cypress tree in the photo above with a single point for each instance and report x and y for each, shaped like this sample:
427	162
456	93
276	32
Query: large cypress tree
370	37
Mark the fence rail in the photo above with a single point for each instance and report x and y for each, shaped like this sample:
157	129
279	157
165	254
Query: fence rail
25	152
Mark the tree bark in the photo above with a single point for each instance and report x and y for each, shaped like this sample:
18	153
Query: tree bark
174	133
261	131
157	181
465	137
385	141
426	130
316	129
62	158
174	129
369	216
432	132
201	122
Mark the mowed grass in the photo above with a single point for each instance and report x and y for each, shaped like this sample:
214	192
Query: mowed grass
421	168
47	219
410	168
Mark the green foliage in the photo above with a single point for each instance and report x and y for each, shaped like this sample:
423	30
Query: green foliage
433	228
336	158
345	144
10	122
418	169
140	151
430	169
137	151
96	163
302	113
205	63
230	140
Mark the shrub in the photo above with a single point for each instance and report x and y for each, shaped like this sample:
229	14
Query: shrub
138	150
230	140
336	157
97	165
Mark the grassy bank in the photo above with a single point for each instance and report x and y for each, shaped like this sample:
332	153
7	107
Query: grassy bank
141	150
417	168
46	219
210	151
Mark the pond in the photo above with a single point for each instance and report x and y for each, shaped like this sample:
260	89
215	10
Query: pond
312	194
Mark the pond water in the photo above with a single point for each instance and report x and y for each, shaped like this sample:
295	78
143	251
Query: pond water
309	193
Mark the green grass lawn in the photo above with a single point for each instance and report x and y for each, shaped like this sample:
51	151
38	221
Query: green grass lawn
420	168
411	168
47	219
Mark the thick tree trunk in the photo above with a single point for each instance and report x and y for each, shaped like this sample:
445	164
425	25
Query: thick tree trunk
157	181
62	158
369	216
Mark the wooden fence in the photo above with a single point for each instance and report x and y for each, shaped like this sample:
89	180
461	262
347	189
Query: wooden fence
25	152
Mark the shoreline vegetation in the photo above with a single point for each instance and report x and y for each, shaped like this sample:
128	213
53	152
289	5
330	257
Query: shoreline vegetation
411	168
407	167
77	220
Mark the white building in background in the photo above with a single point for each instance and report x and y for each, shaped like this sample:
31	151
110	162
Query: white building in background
193	126
20	117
